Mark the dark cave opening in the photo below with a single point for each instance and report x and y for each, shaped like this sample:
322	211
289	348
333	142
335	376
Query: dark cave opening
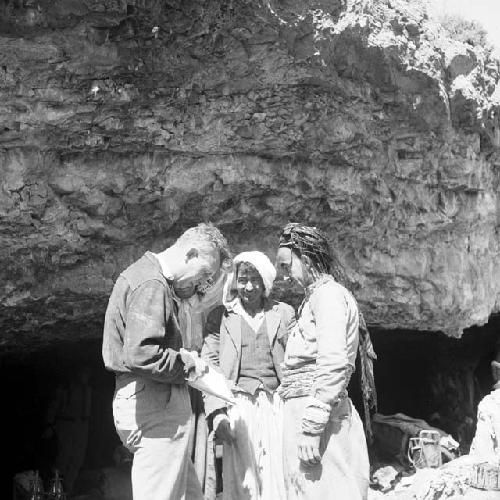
430	376
31	382
421	374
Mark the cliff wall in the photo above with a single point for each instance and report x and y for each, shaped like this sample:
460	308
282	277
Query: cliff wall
123	122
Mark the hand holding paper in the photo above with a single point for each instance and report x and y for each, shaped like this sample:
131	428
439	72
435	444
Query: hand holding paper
203	377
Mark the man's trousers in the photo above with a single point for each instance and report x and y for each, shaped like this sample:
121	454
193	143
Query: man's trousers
153	421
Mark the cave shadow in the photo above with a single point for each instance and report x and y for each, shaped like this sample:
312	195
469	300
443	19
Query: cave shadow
29	381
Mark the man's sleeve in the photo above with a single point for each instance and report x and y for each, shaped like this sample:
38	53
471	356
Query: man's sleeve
210	353
329	309
145	350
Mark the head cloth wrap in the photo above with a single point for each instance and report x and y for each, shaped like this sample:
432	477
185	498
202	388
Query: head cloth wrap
264	267
311	241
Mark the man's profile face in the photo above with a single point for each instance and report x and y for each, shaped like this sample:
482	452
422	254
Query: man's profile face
249	286
199	267
290	266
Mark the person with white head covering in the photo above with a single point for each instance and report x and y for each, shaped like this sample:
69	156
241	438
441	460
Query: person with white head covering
246	339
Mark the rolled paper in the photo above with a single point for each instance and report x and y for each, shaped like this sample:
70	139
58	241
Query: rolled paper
214	383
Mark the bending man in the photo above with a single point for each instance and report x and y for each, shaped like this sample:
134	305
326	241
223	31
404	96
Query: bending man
142	338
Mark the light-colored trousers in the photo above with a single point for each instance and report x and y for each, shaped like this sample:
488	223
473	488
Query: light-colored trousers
252	466
153	421
343	473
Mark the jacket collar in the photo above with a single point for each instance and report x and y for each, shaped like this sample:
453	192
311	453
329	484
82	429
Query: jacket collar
163	266
156	263
233	323
272	320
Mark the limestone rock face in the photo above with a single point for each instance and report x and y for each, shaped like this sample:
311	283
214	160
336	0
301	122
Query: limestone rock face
123	122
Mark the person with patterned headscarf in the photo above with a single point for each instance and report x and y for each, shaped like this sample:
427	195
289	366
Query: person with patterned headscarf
325	452
245	340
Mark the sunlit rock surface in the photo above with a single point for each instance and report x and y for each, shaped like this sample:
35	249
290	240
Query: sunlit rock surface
123	122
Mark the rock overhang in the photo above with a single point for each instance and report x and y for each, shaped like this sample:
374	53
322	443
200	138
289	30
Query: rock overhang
361	118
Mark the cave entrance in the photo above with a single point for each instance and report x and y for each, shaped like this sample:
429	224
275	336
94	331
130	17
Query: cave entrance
430	376
34	383
421	374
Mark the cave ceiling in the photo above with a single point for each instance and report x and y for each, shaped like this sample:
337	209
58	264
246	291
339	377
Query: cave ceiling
123	122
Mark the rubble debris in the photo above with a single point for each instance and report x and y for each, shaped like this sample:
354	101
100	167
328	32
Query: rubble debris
385	478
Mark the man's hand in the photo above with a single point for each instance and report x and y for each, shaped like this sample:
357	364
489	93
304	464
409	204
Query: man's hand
194	366
222	428
308	449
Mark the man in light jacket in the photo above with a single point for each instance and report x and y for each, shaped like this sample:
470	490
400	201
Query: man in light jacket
141	343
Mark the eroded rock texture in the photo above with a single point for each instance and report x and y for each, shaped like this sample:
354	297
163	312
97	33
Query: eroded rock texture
125	121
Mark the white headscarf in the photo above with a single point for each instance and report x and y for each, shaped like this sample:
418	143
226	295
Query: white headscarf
264	267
